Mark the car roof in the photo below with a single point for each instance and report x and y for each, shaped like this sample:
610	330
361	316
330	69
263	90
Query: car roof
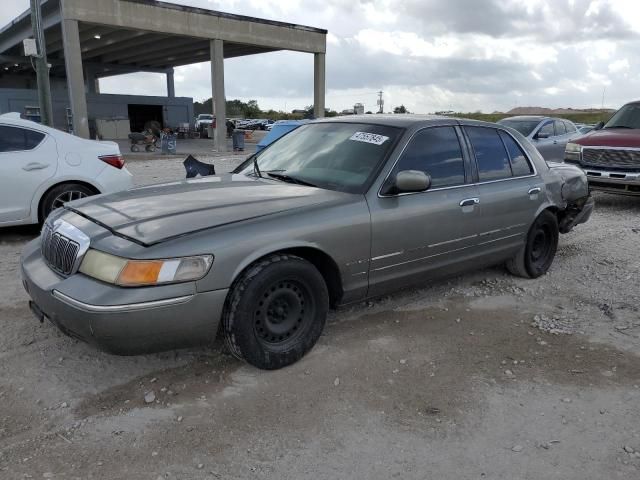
13	118
403	120
528	118
534	118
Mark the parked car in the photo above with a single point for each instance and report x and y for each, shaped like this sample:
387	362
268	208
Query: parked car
548	135
42	168
610	154
584	129
204	120
335	212
277	130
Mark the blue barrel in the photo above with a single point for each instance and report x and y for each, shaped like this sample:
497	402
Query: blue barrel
238	140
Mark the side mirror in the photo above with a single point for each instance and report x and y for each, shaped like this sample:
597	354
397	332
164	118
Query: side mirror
409	181
542	135
599	126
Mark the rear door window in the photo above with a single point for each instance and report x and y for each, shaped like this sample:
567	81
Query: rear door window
15	139
437	152
520	165
491	155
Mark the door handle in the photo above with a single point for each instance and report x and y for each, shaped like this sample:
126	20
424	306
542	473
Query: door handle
35	166
535	191
469	202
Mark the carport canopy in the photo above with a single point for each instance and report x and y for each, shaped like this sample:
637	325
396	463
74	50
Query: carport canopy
87	40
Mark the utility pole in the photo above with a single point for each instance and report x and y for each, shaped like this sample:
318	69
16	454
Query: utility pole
602	104
380	102
42	67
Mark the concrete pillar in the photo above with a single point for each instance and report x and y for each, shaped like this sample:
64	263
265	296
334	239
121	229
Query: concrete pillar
75	77
171	86
319	84
217	90
92	85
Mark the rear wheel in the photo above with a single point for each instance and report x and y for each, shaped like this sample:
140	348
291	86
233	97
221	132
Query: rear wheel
536	256
61	194
276	311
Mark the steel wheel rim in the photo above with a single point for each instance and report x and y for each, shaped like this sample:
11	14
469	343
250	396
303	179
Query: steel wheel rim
65	197
283	312
541	246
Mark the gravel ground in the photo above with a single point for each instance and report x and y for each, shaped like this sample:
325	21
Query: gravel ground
483	376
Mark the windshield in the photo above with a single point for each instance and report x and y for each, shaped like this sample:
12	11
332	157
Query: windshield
335	156
205	117
627	117
525	127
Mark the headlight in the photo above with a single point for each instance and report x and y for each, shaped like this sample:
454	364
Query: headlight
573	148
135	273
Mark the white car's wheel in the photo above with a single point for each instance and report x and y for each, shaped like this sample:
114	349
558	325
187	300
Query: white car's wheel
61	194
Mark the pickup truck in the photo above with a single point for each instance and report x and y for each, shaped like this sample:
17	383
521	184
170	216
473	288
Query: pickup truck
610	154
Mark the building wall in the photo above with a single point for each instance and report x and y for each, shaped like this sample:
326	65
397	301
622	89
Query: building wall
176	110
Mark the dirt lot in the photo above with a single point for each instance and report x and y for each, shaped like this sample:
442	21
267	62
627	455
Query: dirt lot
482	377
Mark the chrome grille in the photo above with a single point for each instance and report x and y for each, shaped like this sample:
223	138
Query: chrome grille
59	251
610	157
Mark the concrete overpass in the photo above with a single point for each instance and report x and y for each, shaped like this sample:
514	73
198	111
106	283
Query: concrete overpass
87	40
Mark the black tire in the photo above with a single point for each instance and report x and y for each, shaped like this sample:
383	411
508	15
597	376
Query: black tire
61	194
275	312
536	256
135	148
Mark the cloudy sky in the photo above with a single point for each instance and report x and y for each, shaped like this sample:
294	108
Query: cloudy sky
429	55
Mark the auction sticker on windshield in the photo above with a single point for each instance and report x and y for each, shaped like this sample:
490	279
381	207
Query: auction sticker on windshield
369	138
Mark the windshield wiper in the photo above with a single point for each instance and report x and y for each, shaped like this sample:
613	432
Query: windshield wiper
256	168
290	179
619	126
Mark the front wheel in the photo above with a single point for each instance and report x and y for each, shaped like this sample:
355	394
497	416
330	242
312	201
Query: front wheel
276	311
536	256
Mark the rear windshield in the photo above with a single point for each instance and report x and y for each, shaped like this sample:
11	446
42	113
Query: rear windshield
334	156
525	127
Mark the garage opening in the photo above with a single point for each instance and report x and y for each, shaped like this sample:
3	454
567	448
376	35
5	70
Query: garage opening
139	115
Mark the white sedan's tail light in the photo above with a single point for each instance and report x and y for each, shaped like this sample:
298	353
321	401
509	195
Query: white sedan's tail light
113	160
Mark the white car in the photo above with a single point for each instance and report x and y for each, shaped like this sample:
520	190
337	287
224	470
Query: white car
203	120
42	168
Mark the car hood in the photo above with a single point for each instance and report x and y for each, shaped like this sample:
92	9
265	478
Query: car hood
611	137
153	214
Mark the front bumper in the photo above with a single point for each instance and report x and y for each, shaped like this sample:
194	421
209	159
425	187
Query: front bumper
627	183
124	321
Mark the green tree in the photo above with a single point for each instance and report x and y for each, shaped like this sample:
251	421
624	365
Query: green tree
400	109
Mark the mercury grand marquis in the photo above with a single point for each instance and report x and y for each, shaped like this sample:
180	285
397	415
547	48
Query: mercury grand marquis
337	211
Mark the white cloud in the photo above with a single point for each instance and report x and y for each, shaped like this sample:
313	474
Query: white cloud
428	54
619	66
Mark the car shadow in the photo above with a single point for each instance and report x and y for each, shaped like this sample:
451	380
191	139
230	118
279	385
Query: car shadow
617	202
23	233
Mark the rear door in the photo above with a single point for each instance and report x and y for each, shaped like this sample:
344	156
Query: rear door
414	234
27	159
509	190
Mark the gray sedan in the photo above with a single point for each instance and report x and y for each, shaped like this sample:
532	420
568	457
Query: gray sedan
549	135
334	212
